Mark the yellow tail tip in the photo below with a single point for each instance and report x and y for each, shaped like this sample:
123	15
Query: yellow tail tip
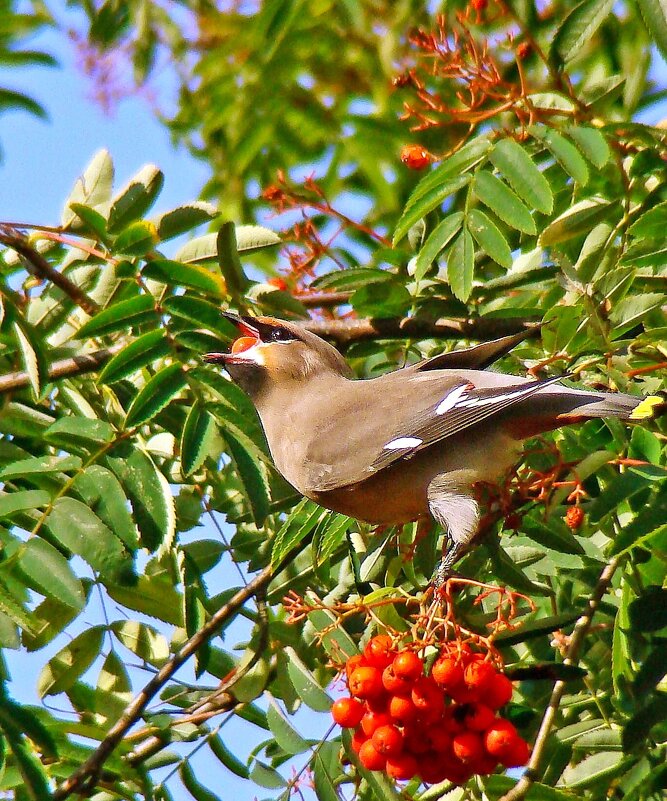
647	408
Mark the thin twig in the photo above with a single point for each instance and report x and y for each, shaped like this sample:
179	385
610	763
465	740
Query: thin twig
38	265
576	641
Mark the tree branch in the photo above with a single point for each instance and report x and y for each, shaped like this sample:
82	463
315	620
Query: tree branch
75	365
38	265
576	641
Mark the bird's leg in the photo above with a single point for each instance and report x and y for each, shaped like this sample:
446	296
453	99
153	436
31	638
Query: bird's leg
443	570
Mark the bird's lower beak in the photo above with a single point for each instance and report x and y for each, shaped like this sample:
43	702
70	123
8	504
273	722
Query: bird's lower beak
246	329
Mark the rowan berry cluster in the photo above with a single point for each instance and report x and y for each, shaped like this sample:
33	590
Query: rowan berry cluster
439	726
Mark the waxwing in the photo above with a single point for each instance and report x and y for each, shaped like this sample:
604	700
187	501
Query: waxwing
414	441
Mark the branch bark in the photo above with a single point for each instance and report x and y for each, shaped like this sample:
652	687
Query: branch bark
75	365
581	628
38	265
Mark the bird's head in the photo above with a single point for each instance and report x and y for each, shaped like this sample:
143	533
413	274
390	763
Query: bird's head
271	351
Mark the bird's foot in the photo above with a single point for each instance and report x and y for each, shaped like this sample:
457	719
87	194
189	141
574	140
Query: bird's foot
444	570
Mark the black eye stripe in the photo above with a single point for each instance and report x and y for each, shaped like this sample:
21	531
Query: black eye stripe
281	335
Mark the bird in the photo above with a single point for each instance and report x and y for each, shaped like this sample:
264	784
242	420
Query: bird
408	444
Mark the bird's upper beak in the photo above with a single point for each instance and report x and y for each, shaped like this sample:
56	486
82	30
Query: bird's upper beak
249	328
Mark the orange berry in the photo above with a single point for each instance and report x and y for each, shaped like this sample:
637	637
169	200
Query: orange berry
243	343
478	675
517	755
402	709
358	739
347	712
373	720
500	738
380	651
427	697
478	717
366	682
448	672
278	283
388	740
574	517
353	663
370	758
401	767
408	665
415	157
468	746
395	685
499	691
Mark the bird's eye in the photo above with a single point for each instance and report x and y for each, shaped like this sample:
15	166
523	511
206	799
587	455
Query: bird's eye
280	335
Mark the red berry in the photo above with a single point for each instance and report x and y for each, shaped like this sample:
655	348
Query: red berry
414	740
468	746
401	767
402	709
380	651
432	769
427	697
439	739
353	663
408	665
478	717
395	685
415	157
347	712
373	720
370	758
517	755
574	517
366	682
388	740
499	691
278	283
479	5
448	672
478	675
358	739
500	738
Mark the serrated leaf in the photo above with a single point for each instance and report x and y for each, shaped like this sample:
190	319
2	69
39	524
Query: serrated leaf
114	677
592	144
251	238
136	239
91	221
426	203
438	239
599	767
196	438
201	313
229	261
329	535
62	670
520	171
287	737
578	28
461	265
192	276
579	219
152	596
143	640
156	395
93	188
136	198
77	430
40	464
277	302
184	218
144	350
307	688
102	493
554	535
252	474
46	570
15	610
34	780
12	502
489	237
301	521
565	153
503	202
29	358
327	769
81	531
654	14
651	224
121	316
497	786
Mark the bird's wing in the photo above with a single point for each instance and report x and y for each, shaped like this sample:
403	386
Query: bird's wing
478	357
397	416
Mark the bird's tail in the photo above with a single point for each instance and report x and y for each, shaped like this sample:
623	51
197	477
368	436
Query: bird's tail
625	407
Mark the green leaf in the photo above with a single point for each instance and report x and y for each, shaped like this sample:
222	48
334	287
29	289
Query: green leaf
91	220
47	571
252	474
307	688
329	535
381	299
496	786
192	276
193	785
102	492
184	218
72	661
148	492
461	265
556	535
136	239
637	730
120	317
93	188
594	769
196	439
301	521
229	261
426	203
77	430
30	358
287	737
578	29
651	224
143	640
592	144
153	596
535	628
22	500
231	762
40	465
513	161
15	610
579	219
437	240
503	202
146	349
156	395
649	611
654	14
565	153
327	769
135	199
81	531
202	314
34	779
251	238
489	237
265	776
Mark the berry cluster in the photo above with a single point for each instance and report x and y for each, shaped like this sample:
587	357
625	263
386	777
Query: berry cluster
439	726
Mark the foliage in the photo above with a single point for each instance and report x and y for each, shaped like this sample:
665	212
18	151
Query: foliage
547	204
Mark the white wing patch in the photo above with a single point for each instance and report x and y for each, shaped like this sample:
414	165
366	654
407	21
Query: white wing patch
451	399
457	399
402	442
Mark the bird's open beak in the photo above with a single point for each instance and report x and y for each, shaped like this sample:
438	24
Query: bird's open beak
247	328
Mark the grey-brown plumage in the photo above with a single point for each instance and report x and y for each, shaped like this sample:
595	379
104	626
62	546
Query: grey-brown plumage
412	442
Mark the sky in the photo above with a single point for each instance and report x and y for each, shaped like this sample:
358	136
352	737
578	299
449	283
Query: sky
40	162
